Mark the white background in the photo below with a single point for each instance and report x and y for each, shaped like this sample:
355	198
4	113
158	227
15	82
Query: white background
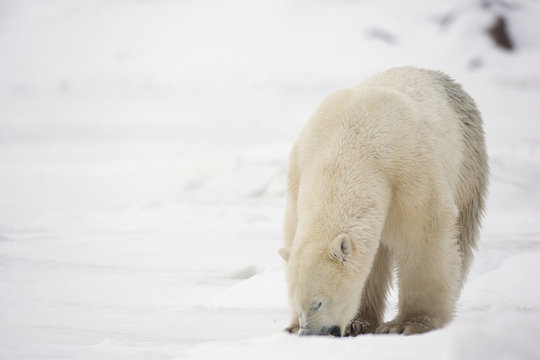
143	153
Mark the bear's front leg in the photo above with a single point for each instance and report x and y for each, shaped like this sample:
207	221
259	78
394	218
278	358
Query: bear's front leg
373	303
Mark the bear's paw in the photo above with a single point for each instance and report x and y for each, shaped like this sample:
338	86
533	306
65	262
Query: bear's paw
359	326
293	328
405	327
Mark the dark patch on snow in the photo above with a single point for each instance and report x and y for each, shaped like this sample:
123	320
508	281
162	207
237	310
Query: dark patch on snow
499	34
475	63
383	35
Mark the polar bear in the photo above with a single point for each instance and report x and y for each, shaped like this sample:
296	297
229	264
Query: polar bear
390	174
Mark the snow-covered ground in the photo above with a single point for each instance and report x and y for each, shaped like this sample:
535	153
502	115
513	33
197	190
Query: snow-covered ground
143	149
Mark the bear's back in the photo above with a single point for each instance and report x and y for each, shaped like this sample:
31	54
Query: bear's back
399	121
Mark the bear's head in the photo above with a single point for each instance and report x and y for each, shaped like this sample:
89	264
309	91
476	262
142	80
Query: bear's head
325	282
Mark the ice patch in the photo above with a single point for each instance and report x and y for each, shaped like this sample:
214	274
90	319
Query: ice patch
244	273
265	290
510	285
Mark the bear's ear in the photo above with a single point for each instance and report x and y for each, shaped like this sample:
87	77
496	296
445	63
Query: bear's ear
284	253
341	247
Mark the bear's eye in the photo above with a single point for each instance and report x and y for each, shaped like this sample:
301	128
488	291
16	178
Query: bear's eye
316	306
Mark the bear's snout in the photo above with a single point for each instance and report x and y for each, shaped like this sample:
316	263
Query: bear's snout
334	331
325	331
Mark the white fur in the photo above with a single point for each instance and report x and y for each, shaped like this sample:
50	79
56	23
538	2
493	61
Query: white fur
392	171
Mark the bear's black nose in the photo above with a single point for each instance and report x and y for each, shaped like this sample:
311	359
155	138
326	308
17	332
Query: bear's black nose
335	331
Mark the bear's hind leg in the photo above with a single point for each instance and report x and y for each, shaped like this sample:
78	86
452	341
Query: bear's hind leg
429	273
373	304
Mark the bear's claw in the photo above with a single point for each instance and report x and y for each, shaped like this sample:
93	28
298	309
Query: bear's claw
358	326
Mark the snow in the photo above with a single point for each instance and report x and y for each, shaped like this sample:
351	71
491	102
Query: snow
143	155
